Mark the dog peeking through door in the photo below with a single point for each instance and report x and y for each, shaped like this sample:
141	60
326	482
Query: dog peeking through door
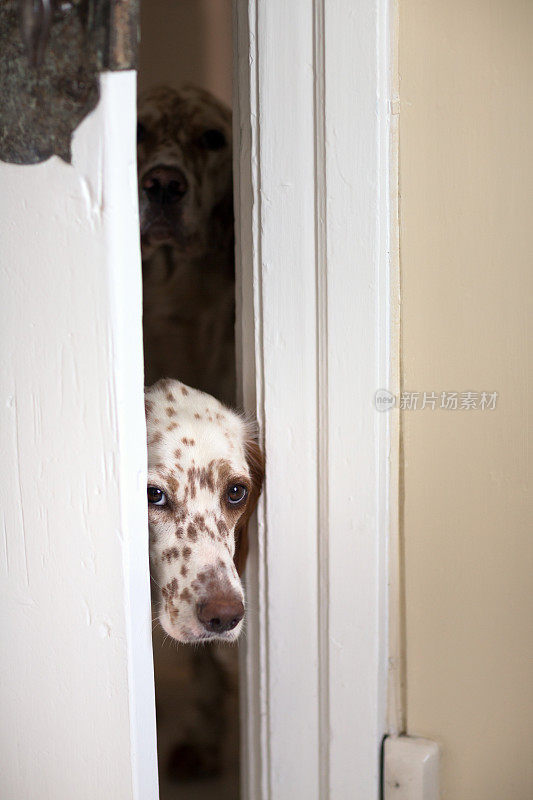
199	450
205	472
184	156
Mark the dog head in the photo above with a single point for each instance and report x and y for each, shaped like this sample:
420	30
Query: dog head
205	472
184	157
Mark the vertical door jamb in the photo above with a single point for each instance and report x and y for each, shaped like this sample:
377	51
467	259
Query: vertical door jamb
316	311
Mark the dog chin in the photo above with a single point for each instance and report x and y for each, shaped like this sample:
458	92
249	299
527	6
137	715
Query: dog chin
156	236
179	233
194	634
185	246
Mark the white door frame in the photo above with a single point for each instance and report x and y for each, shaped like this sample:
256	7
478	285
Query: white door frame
312	135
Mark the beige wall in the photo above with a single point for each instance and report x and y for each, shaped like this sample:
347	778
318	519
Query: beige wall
187	41
466	182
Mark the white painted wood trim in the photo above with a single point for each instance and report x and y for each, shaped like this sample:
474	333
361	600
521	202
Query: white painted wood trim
312	126
410	768
119	113
249	348
76	682
396	700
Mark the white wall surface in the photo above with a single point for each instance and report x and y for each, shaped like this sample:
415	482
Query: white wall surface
466	174
76	690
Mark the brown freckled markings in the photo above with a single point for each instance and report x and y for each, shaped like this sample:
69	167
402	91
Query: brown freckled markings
220	416
173	613
203	475
228	437
192	533
179	532
171	412
170	590
177	453
186	595
170	397
186	553
173	483
222	527
184	391
172	426
200	522
197	416
156	437
188	442
210	578
170	554
224	473
184	570
148	406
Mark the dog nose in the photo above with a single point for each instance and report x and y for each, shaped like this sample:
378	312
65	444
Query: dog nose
220	614
165	185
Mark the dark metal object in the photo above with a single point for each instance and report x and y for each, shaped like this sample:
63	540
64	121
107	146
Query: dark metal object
51	52
123	42
35	18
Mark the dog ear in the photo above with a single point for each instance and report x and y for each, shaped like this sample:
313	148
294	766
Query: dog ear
256	465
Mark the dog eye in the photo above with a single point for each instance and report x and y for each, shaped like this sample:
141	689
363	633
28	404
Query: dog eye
141	133
156	497
212	139
236	493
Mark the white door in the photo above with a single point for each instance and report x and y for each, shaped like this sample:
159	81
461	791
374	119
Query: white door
76	685
312	180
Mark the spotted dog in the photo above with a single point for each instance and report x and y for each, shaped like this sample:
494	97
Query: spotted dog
184	156
205	472
204	479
